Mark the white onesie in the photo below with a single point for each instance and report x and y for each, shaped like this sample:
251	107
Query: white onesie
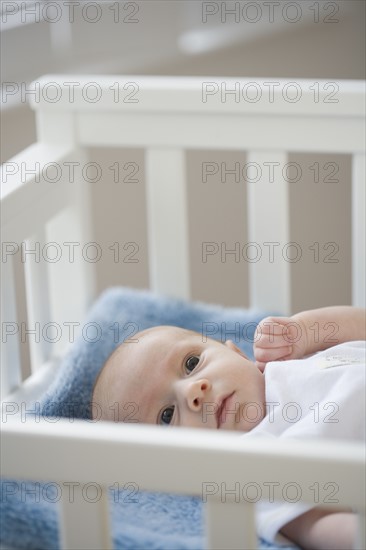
320	396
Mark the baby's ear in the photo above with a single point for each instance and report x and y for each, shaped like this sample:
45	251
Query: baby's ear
230	344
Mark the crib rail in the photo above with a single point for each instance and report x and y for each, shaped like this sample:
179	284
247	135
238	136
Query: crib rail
182	95
93	453
168	115
267	119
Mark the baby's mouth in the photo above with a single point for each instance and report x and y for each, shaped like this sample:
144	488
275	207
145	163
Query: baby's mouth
221	413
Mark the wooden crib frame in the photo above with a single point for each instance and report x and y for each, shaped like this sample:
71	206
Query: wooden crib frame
165	116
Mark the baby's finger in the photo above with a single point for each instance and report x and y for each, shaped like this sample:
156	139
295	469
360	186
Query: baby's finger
270	330
272	341
271	327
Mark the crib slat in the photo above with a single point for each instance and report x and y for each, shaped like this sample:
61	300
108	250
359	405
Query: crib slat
358	229
269	275
39	307
10	361
167	221
361	534
81	227
85	523
22	315
230	525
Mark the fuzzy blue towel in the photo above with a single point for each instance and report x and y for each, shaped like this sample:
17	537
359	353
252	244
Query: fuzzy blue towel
155	521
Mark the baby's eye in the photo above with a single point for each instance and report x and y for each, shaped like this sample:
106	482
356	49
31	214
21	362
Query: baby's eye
167	415
191	363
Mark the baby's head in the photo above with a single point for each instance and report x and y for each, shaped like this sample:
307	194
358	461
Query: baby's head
172	376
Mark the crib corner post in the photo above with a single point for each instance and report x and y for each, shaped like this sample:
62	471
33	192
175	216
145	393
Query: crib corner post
55	127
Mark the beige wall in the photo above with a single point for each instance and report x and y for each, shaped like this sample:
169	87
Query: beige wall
314	50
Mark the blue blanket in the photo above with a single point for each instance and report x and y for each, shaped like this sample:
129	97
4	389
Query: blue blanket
155	521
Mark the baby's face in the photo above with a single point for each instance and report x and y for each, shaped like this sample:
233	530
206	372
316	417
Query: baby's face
172	377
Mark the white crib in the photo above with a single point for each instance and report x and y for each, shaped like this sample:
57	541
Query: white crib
165	116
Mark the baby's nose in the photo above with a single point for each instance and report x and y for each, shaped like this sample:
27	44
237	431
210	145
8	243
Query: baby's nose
197	393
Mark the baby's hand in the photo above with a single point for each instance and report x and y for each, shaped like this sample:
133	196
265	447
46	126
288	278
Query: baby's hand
279	338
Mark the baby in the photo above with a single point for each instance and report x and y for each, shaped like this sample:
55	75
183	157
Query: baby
171	376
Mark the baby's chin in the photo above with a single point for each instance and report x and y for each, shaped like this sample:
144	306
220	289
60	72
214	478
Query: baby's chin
247	417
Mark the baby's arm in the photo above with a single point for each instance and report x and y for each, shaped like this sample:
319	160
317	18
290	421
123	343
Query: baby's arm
323	530
279	338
